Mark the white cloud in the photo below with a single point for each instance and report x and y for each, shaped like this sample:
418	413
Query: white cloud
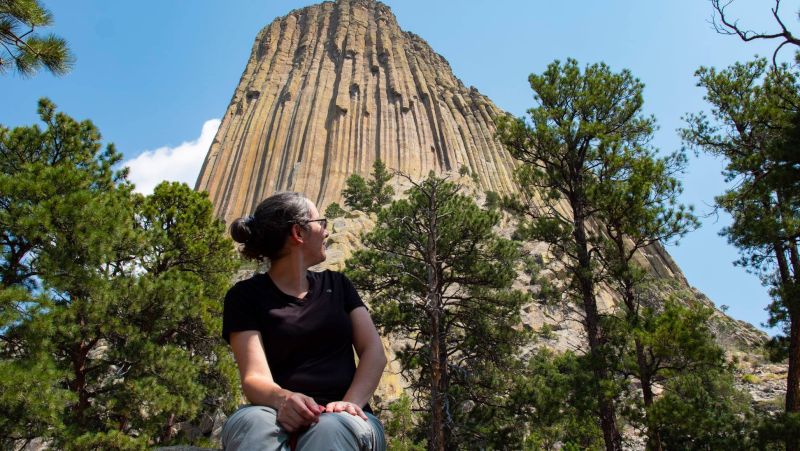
180	164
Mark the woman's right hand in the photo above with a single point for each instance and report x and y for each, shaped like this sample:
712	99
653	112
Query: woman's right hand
298	411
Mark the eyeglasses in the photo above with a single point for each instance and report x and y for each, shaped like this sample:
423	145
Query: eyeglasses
322	221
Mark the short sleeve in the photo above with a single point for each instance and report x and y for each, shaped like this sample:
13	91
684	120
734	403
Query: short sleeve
351	298
239	312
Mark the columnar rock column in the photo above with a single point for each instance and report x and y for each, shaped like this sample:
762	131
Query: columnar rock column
332	87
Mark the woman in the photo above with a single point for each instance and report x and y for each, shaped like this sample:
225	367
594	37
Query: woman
292	332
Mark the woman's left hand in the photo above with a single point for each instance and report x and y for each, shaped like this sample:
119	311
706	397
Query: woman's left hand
345	406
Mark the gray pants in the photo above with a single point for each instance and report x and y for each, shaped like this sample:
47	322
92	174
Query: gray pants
255	428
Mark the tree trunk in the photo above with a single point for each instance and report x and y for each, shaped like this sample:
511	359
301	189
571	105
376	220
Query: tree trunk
645	378
788	272
437	440
645	375
793	376
792	301
438	435
793	306
608	424
77	385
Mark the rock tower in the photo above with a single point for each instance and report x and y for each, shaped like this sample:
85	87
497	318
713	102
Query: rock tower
332	87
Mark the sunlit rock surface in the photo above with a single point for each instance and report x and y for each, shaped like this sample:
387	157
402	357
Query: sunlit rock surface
330	88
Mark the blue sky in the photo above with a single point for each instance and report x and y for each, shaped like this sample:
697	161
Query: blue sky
154	76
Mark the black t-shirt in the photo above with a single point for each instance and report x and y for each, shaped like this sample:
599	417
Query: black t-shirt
309	341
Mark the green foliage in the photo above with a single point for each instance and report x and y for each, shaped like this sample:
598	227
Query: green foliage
115	440
774	431
30	400
109	298
401	427
702	410
585	146
546	331
578	145
493	200
47	178
586	143
777	349
754	126
677	340
24	49
369	195
439	276
334	210
750	379
556	394
356	193
636	203
671	346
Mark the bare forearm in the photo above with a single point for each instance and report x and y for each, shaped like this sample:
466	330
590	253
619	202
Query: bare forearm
263	392
368	374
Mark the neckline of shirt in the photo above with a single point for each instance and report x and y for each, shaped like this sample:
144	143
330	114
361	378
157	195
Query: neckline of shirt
304	300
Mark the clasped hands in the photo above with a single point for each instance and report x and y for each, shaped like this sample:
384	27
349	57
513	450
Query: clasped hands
299	411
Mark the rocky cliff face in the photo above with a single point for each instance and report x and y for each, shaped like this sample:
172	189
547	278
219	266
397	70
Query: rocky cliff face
330	88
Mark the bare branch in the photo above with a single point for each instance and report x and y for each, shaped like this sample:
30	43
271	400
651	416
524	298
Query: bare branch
775	54
727	26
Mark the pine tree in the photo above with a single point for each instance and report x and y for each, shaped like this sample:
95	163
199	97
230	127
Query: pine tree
440	278
356	194
753	128
379	188
334	210
369	195
401	426
670	344
111	299
24	49
636	205
555	393
701	411
587	127
43	175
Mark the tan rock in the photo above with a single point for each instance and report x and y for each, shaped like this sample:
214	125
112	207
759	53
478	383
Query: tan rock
330	88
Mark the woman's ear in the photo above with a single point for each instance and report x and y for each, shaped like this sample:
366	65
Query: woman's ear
297	234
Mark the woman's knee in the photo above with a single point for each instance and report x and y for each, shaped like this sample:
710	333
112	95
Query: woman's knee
250	425
253	416
341	422
344	431
379	438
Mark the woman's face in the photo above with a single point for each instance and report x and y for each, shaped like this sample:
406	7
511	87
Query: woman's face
315	236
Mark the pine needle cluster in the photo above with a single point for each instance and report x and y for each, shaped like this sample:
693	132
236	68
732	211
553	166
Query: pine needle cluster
25	50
